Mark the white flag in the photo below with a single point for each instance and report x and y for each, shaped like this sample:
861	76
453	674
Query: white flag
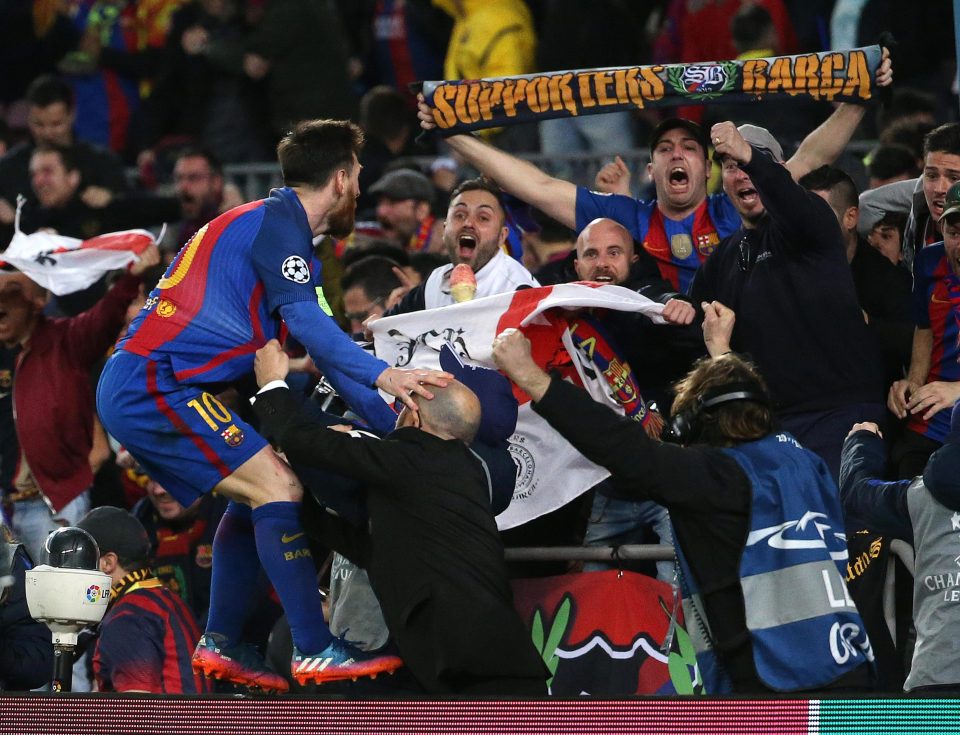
550	472
64	265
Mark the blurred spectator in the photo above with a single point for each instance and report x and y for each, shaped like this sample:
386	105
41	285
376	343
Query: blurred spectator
548	253
883	289
822	364
492	38
405	211
891	162
909	133
405	43
906	103
46	409
181	539
932	385
202	93
298	48
922	511
199	185
755	36
26	648
577	35
367	285
921	199
147	636
33	37
887	236
121	50
390	126
50	121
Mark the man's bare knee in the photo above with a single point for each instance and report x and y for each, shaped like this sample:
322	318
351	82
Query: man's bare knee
264	478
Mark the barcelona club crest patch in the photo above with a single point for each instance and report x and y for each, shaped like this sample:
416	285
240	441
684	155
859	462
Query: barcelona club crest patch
204	557
232	436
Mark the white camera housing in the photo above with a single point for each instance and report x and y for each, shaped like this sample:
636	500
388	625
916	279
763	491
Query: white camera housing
67	600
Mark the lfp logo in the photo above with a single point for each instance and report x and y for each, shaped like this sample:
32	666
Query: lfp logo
93	593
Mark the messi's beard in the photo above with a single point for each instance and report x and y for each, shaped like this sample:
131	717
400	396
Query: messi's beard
343	217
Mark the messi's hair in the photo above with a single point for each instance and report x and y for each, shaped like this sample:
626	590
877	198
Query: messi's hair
315	150
730	423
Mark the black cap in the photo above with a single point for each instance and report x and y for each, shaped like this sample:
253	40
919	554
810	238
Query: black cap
114	529
672	123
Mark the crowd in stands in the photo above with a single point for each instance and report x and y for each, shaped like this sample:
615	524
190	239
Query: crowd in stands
817	285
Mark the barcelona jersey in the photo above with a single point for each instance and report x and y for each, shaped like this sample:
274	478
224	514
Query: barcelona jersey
678	246
936	306
214	306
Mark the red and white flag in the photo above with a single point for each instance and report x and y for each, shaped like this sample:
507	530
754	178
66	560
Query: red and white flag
64	265
550	472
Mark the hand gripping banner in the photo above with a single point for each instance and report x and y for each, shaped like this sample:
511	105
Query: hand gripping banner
461	106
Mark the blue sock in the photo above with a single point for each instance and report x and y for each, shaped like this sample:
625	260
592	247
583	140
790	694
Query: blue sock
282	545
236	567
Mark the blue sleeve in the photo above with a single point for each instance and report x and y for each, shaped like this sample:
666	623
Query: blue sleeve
923	269
880	506
281	255
329	346
632	214
364	401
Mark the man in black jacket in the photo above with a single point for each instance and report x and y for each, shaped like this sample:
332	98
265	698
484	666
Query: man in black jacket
433	553
757	520
785	274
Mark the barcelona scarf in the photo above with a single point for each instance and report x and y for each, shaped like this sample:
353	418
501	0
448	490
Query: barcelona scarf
461	106
591	340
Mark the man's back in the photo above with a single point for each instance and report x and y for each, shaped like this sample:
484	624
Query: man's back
146	642
212	309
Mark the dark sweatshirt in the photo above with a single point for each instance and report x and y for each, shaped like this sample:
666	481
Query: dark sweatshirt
790	285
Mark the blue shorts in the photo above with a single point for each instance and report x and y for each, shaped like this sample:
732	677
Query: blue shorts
184	438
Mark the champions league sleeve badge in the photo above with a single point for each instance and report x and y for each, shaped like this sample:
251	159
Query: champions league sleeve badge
295	269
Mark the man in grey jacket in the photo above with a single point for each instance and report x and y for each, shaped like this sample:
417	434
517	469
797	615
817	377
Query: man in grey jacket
925	512
921	198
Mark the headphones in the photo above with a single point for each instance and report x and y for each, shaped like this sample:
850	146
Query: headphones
684	426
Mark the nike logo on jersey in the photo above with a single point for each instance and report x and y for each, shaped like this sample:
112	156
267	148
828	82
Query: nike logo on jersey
289	539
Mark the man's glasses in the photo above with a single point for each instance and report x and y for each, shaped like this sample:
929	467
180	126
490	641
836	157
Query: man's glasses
359	316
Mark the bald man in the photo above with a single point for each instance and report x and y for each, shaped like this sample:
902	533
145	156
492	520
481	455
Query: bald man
431	547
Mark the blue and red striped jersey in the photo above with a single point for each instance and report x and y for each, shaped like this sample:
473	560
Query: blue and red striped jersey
936	306
678	246
146	643
216	304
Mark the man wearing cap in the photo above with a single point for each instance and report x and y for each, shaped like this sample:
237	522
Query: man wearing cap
924	511
404	201
785	274
148	634
682	226
932	384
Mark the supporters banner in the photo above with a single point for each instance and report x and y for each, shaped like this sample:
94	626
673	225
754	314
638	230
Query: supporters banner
550	472
602	634
460	106
64	265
